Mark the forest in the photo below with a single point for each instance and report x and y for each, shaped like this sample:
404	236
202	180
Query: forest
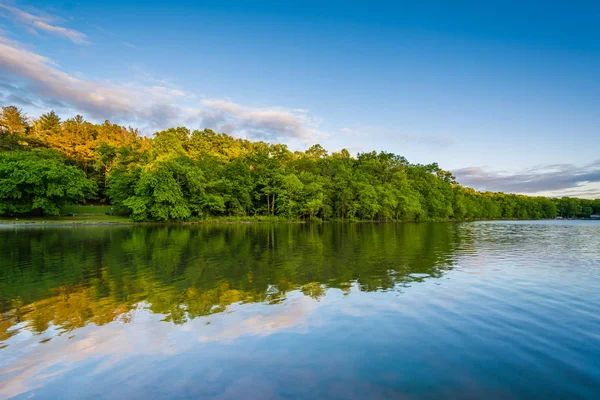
182	175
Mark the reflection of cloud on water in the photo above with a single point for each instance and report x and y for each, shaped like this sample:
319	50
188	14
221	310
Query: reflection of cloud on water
38	363
260	320
31	365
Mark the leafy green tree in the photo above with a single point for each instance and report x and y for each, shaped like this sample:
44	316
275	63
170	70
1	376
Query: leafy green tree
586	210
289	192
596	206
170	189
238	188
40	180
171	141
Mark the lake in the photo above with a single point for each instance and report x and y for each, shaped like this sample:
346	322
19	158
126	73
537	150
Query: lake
301	311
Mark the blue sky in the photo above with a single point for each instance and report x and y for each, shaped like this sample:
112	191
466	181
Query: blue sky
504	94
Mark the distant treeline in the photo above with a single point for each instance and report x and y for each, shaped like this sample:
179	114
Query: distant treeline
182	175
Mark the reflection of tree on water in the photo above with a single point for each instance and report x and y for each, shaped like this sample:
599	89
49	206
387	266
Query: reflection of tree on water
71	277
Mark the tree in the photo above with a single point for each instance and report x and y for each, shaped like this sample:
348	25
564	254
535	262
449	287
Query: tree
171	189
569	207
596	206
586	210
13	120
48	123
289	193
40	180
173	140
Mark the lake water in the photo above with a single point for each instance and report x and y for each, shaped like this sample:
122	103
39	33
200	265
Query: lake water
341	311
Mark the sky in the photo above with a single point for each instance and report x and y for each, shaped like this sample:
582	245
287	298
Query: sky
506	95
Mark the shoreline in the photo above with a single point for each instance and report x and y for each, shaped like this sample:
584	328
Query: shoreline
113	221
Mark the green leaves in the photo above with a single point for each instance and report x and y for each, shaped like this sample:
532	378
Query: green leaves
172	188
40	180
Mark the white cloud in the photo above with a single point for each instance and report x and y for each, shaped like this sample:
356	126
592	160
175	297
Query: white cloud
74	36
40	76
155	104
45	23
547	180
146	335
266	123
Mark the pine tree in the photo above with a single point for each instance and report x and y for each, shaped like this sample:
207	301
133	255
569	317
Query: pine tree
13	120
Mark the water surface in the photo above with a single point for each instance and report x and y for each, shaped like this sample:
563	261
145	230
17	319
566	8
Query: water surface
353	311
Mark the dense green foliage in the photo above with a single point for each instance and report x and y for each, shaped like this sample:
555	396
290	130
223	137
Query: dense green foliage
39	180
184	175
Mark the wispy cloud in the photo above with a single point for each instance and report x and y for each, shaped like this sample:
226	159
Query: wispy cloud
19	100
266	123
555	179
150	104
98	28
130	45
45	23
40	77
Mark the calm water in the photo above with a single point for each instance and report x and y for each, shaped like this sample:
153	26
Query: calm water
342	311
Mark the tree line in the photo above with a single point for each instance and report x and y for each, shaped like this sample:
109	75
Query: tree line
180	174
